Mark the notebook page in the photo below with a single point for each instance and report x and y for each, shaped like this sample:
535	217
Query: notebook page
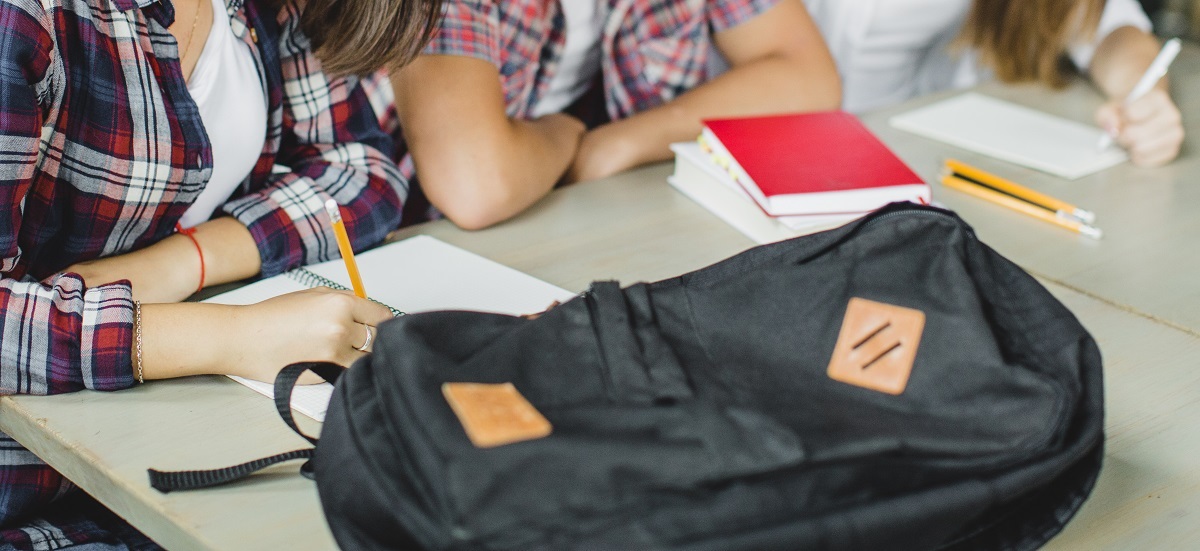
422	273
1013	133
418	274
258	291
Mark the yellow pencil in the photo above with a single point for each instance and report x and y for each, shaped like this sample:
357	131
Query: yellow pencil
1060	207
343	241
970	188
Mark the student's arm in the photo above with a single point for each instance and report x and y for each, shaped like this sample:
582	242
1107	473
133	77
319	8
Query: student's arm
334	147
169	271
778	63
62	335
255	341
475	164
55	336
1150	128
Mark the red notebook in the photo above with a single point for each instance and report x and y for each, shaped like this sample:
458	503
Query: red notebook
811	163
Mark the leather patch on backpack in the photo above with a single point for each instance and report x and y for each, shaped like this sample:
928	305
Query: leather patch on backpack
495	414
877	345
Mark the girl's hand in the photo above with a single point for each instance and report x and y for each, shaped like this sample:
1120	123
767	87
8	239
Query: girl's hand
602	153
254	341
312	325
1150	128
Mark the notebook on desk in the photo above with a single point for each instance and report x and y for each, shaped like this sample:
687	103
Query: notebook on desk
419	274
711	187
1013	133
817	163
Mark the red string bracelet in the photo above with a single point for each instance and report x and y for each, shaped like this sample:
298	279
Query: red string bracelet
190	233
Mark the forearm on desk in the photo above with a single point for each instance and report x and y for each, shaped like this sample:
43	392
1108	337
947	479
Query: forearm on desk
171	269
495	176
178	340
475	164
766	86
778	63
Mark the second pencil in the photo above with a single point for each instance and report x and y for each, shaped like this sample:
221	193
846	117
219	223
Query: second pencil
1009	187
986	194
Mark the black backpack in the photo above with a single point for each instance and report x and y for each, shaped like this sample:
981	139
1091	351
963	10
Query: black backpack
893	383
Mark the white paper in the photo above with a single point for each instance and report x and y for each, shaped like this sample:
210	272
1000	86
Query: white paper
419	274
1013	133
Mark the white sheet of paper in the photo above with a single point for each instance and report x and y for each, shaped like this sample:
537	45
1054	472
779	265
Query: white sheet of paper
419	274
1013	133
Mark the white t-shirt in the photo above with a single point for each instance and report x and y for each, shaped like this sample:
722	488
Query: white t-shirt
233	107
888	51
580	61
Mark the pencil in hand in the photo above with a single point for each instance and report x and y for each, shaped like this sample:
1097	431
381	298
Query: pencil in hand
1154	73
343	241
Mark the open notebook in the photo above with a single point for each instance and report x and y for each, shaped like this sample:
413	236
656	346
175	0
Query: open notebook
1013	133
419	274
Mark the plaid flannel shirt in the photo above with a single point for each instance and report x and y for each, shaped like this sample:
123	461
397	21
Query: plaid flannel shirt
654	50
102	150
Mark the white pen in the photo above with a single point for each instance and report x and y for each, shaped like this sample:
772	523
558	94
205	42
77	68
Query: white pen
1154	73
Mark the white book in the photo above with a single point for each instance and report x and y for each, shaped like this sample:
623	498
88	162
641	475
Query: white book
705	183
1013	133
418	274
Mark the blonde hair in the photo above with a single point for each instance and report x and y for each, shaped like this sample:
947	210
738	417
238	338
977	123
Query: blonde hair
1025	40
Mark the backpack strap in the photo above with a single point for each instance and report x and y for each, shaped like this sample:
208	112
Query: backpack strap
285	382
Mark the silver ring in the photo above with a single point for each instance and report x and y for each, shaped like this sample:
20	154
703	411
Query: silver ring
366	346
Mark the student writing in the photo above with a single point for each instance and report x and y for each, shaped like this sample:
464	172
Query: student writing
125	120
485	110
888	51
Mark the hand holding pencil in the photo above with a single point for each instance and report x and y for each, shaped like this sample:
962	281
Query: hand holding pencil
1146	122
343	241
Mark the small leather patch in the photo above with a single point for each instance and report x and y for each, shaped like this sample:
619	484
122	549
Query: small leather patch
877	345
495	414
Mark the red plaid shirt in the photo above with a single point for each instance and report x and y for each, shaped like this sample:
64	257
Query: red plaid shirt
102	150
654	50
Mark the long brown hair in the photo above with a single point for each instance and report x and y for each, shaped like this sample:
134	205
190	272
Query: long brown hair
357	37
1025	40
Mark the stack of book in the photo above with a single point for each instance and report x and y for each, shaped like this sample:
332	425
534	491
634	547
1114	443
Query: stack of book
777	177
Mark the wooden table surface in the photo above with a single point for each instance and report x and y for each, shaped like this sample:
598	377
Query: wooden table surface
1147	261
1135	290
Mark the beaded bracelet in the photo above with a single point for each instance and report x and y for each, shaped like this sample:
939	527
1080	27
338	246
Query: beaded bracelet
137	324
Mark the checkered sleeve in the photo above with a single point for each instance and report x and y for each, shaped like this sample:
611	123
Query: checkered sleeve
726	14
378	88
469	28
334	148
58	335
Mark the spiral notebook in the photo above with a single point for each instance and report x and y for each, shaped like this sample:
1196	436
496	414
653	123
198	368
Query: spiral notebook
418	274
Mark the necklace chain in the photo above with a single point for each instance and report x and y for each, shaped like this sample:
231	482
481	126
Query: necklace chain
192	33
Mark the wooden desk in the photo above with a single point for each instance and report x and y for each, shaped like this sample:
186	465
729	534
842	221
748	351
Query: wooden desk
1132	290
1147	261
